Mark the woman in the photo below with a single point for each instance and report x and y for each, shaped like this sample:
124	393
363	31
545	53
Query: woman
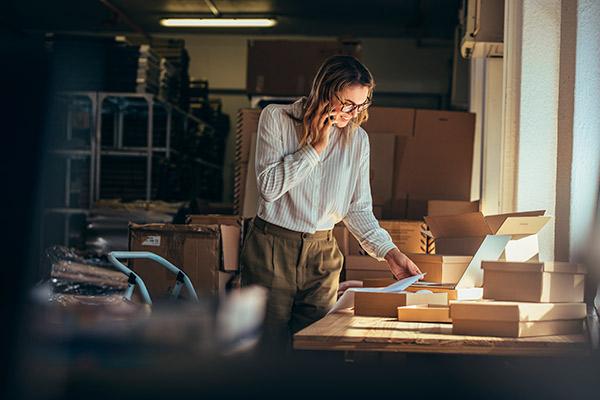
312	168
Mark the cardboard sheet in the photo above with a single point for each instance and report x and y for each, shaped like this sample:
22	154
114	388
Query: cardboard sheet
347	299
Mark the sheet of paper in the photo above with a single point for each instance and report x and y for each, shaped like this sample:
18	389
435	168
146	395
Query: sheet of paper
347	299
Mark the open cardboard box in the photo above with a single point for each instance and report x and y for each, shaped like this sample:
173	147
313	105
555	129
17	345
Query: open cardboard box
547	282
374	304
451	207
463	234
514	319
208	254
469	285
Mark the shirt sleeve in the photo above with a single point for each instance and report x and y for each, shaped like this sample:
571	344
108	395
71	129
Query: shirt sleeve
277	172
360	220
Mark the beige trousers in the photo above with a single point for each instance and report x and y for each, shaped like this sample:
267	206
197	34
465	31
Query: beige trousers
301	272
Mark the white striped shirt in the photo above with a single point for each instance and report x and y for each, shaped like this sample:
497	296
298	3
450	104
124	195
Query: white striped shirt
307	192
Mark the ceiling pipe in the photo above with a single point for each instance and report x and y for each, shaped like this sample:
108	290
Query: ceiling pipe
128	21
213	8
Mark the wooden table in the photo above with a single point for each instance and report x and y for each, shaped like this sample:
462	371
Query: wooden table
345	332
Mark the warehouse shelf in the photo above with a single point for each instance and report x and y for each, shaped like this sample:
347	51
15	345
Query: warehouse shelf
96	133
71	152
132	151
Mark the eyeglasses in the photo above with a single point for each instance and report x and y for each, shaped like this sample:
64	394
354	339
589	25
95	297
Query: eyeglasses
349	106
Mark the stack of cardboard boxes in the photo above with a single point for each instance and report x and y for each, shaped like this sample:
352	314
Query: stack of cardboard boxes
524	299
463	241
417	156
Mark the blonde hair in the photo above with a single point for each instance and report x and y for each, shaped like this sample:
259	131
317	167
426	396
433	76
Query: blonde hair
334	75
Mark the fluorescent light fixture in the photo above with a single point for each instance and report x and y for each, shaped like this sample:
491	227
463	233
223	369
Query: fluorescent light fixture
218	22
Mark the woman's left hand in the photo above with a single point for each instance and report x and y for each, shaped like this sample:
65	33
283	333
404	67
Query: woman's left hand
400	265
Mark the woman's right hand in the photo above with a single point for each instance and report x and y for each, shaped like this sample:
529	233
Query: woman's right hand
322	139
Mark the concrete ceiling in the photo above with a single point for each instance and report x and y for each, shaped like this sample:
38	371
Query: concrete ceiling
421	19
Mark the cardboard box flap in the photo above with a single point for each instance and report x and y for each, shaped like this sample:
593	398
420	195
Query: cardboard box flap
437	258
495	222
491	249
230	246
461	225
213	219
516	311
451	207
210	230
522	226
531	266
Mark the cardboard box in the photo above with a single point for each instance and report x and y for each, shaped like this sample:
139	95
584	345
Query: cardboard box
365	274
424	313
486	310
547	282
389	129
394	121
366	267
513	319
432	159
378	211
214	219
378	282
224	279
341	235
201	251
516	329
463	234
246	128
288	67
440	268
354	248
469	284
408	236
382	153
386	304
365	263
438	160
454	293
450	207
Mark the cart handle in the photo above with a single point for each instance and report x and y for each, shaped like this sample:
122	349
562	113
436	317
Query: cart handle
134	279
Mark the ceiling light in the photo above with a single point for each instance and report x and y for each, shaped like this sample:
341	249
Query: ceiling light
218	22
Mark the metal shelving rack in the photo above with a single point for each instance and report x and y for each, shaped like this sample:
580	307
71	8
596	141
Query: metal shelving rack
92	151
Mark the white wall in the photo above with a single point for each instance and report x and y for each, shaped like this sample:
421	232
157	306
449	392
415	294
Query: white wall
536	181
551	149
585	178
